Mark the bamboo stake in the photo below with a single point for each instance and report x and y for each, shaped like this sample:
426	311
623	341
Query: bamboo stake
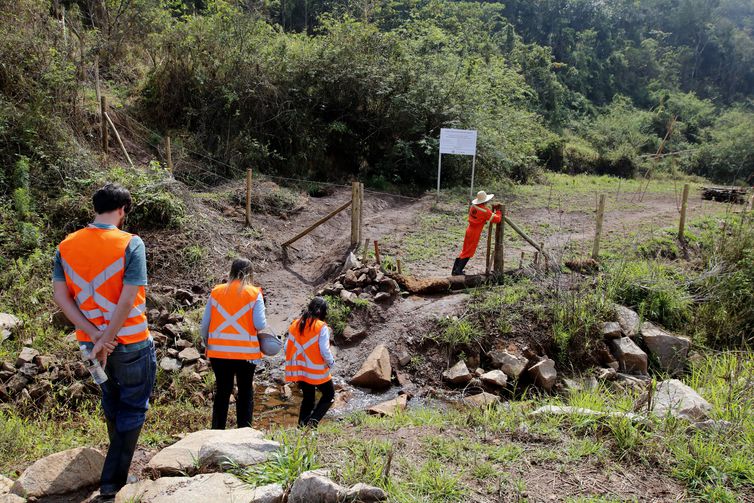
355	213
521	233
400	269
120	142
316	224
598	230
103	123
249	187
684	206
169	154
377	253
521	260
366	250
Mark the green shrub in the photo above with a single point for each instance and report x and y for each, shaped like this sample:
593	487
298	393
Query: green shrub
337	314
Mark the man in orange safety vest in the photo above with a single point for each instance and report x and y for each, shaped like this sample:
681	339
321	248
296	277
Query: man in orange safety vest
479	215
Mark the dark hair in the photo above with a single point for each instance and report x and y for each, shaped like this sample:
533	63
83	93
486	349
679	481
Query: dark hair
110	198
317	310
240	270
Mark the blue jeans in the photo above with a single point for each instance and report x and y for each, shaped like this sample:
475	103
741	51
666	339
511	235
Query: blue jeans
130	379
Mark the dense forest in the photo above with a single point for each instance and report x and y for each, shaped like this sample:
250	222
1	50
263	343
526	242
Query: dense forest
332	90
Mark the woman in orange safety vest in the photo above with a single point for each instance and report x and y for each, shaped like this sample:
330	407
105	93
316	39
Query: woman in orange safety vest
479	215
234	314
308	361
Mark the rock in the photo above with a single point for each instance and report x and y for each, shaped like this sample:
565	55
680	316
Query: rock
190	375
512	365
182	455
9	322
160	339
458	374
389	286
45	362
314	486
171	330
350	280
287	392
389	408
382	297
479	372
581	384
183	344
630	357
717	426
670	351
352	262
28	370
376	371
363	493
184	297
26	355
348	297
612	330
544	374
494	378
7	367
169	364
77	390
628	320
208	487
173	353
353	335
189	355
4	335
404	358
607	374
5	484
60	473
481	400
676	399
16	384
564	410
11	498
251	451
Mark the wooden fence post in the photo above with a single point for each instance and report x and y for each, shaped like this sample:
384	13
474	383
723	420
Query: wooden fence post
684	206
498	262
377	254
169	153
400	269
488	262
355	214
248	194
521	260
361	212
598	231
96	79
103	123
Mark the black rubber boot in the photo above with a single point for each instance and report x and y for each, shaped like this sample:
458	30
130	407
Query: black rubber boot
118	462
459	265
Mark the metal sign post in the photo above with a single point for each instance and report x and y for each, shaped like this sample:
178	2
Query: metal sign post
459	142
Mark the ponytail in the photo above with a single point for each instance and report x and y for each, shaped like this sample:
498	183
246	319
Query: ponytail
317	310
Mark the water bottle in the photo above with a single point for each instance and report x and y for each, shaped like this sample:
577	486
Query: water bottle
93	365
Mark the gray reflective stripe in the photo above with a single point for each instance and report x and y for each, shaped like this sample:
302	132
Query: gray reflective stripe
133	329
137	310
231	321
301	351
301	373
89	288
230	337
93	313
232	349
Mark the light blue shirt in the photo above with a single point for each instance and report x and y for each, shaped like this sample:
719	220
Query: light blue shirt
258	313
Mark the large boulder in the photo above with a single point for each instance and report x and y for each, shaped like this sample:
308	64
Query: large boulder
11	498
252	451
376	370
670	351
60	473
458	374
184	454
214	487
674	398
544	374
315	487
390	407
511	364
630	356
629	321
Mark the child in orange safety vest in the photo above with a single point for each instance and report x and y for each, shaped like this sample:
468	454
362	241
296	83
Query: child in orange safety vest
479	215
234	315
308	361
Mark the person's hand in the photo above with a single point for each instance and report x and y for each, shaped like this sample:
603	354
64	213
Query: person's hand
102	349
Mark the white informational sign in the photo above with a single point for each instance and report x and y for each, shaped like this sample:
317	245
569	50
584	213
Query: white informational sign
459	142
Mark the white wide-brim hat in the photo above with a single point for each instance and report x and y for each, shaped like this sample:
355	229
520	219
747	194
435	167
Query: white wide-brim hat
482	197
269	343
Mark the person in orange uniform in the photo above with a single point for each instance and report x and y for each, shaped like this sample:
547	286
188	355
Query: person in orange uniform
308	361
479	215
98	281
234	314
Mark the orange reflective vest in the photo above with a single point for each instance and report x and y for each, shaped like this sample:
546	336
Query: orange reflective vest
478	216
303	361
94	262
232	335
